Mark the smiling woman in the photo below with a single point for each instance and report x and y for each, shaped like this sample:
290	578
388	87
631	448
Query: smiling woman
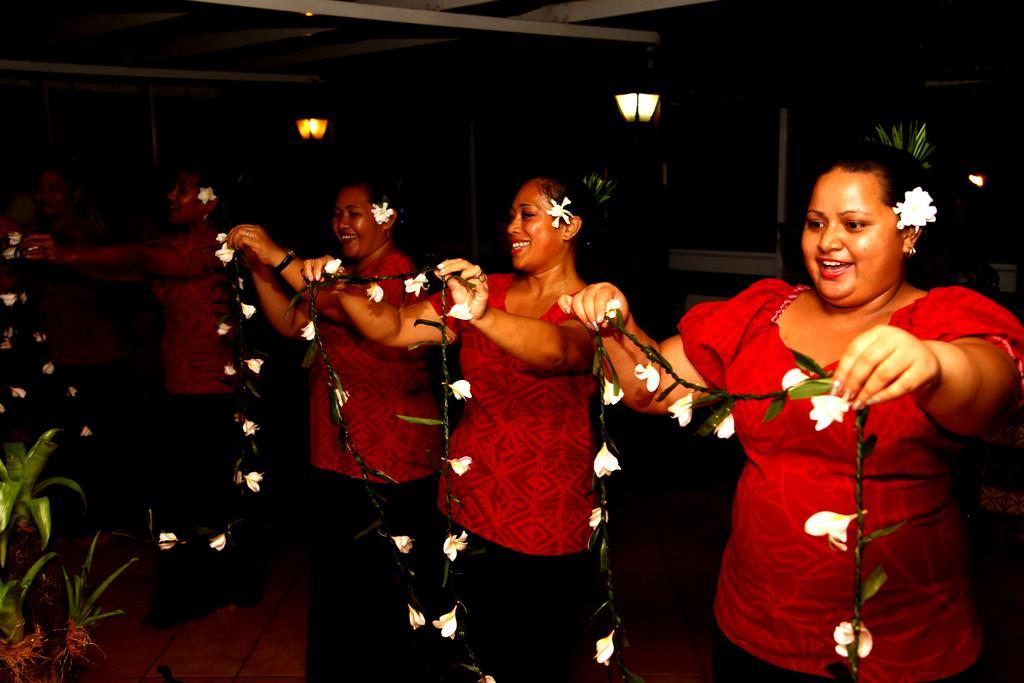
353	572
931	363
523	451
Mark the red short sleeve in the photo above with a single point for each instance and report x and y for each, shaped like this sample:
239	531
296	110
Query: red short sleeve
713	332
951	313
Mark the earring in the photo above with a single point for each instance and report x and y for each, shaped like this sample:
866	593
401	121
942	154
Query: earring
911	252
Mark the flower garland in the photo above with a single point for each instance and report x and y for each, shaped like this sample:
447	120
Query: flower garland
449	624
853	640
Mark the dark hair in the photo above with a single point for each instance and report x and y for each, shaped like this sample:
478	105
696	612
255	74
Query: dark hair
584	204
380	188
898	170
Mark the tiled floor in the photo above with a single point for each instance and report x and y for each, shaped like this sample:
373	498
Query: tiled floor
667	547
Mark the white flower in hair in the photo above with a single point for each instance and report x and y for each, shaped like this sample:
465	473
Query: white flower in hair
375	293
382	213
206	195
415	285
915	210
225	254
559	212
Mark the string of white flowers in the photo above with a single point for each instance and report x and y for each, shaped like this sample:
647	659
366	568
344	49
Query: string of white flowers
853	640
453	623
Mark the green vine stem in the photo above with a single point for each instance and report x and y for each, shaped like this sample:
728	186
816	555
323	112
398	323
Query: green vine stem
336	395
601	538
336	391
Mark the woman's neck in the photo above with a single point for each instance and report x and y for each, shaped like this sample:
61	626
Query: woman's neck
560	278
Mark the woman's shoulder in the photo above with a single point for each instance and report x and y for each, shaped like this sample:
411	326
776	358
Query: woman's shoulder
393	263
945	311
769	295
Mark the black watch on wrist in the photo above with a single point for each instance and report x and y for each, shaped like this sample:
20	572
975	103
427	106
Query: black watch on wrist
289	256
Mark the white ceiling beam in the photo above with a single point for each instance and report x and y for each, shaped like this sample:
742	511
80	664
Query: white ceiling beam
400	15
65	30
220	41
589	10
135	72
435	5
327	52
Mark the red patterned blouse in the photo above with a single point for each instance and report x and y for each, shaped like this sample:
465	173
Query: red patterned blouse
381	383
782	592
192	353
532	445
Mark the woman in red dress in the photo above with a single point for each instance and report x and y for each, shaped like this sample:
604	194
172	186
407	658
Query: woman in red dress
524	501
932	364
354	576
195	433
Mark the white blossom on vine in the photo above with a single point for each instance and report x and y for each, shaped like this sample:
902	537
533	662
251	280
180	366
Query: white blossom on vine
416	618
447	623
610	396
827	409
726	428
461	389
605	462
649	374
415	285
375	293
793	377
460	465
831	524
844	638
682	410
219	542
403	543
605	649
453	545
